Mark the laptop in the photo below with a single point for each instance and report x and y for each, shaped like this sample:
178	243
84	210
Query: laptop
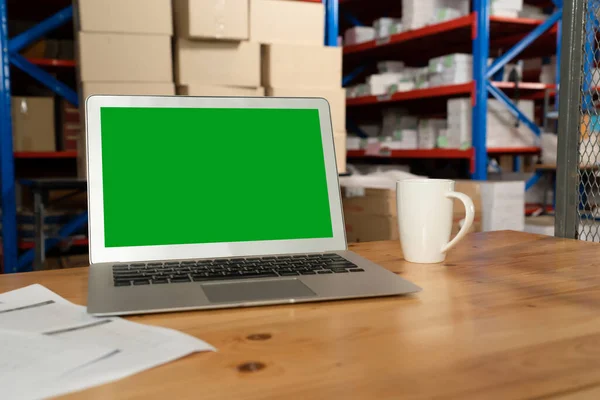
214	202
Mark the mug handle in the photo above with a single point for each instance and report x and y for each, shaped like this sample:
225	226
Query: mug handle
470	215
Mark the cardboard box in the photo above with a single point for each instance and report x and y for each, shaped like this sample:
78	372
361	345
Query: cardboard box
339	142
291	22
498	206
115	88
335	97
211	19
207	90
106	57
127	88
217	63
501	204
70	126
125	16
33	124
369	228
296	66
542	225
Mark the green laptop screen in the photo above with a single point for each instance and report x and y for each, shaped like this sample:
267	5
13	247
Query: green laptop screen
202	175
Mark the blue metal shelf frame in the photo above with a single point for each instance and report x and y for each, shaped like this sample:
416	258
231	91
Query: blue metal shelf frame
482	75
10	55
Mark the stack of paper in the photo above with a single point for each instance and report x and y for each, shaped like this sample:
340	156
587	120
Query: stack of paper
50	346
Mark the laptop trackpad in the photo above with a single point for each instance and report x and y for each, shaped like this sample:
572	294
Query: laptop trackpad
233	292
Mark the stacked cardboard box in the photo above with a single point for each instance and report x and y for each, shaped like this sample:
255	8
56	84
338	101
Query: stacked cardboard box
370	211
33	124
295	62
213	54
123	47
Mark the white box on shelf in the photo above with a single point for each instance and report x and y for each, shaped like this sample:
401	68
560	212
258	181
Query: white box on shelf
404	139
359	34
385	27
502	129
429	131
445	14
390	66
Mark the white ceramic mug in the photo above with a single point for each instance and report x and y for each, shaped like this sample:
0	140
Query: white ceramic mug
425	218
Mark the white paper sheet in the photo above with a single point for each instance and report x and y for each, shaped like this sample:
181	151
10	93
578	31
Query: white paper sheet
137	347
30	360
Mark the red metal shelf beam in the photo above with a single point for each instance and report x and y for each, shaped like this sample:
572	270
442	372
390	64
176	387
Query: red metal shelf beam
467	154
419	45
46	154
529	90
27	244
51	62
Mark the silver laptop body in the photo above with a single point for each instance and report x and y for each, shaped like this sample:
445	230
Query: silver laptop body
136	270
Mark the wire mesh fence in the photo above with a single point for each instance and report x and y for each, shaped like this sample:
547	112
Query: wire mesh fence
588	210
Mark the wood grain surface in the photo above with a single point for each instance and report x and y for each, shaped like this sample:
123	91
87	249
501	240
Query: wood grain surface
507	316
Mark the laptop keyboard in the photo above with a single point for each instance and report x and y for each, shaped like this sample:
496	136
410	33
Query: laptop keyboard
156	273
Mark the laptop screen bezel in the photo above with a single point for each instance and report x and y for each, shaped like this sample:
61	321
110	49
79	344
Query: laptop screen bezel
99	253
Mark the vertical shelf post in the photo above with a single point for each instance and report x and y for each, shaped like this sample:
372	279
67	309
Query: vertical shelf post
481	42
331	22
7	166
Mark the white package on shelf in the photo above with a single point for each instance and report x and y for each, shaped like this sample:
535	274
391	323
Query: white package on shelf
444	14
502	129
390	66
395	120
404	139
429	130
384	27
359	34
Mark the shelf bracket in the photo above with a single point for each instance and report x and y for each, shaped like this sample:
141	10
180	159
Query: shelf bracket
351	19
45	79
523	43
504	99
352	75
26	38
67	230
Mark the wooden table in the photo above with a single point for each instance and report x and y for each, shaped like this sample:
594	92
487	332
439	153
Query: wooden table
508	316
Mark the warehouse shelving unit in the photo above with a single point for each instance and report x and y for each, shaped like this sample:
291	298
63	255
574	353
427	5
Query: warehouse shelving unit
476	33
9	55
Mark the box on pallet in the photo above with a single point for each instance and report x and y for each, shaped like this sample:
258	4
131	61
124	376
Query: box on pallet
289	22
335	97
125	16
107	57
194	89
217	63
211	19
299	66
33	123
